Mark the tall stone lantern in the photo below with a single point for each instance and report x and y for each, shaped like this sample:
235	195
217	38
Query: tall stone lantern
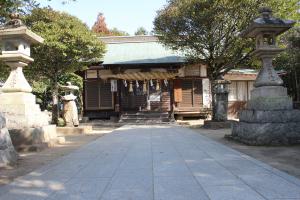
269	117
16	101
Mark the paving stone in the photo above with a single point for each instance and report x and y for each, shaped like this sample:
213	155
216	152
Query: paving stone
234	192
81	188
272	186
178	188
210	173
129	188
154	162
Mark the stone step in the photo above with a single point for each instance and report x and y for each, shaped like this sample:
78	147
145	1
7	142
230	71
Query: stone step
144	120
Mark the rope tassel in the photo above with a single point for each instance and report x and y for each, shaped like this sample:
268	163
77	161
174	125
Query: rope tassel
157	85
130	87
145	86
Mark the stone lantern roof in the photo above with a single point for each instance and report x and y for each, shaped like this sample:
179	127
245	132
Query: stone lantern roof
20	32
267	23
15	28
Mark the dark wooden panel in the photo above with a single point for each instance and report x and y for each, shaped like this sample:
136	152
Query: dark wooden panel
92	95
178	90
198	93
106	98
187	93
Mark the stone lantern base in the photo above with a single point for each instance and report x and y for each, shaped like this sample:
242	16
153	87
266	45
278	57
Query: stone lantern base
21	111
28	126
269	119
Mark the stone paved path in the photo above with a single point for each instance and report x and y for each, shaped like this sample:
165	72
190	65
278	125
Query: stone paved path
154	162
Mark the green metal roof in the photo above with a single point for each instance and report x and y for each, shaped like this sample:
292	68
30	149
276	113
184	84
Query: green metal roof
146	52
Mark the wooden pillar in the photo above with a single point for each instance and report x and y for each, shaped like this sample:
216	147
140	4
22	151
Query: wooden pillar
120	97
172	105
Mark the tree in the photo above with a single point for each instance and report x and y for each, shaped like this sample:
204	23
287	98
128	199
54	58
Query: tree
9	6
68	47
141	31
289	61
208	31
117	32
101	29
100	26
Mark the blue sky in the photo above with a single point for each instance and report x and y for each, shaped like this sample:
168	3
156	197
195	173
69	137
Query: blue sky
126	15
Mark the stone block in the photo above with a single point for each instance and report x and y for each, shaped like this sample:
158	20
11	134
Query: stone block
8	155
270	103
209	124
17	98
275	116
267	133
269	91
61	139
29	138
21	111
75	130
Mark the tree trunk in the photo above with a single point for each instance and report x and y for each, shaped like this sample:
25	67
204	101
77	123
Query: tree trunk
213	100
297	86
55	108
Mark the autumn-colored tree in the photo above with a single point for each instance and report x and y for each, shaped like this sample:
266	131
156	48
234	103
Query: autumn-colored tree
100	26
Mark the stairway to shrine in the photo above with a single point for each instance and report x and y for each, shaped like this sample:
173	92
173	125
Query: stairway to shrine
145	117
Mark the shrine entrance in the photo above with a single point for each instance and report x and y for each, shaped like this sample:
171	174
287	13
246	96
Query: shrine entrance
145	96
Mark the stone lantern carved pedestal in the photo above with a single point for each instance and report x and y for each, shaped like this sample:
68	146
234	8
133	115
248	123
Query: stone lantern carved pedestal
70	112
26	123
269	117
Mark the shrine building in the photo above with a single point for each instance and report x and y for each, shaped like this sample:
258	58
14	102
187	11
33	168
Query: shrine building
139	76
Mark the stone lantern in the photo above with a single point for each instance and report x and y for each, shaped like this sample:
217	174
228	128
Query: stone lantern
221	91
26	123
269	117
16	101
220	119
70	112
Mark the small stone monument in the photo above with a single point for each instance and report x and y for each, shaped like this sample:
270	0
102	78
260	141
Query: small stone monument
269	117
221	106
8	155
70	112
24	119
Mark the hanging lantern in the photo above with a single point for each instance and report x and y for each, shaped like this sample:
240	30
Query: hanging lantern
137	84
130	87
157	85
151	83
166	82
145	86
125	83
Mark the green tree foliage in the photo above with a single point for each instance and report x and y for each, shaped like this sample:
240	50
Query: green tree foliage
289	61
69	46
208	31
21	6
141	31
117	32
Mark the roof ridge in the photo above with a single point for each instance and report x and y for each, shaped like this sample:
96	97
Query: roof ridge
128	39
